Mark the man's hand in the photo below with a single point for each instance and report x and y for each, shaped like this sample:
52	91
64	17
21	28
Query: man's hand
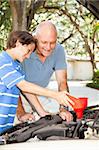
65	115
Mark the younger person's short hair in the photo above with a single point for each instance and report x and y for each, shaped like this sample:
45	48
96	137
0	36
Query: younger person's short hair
23	37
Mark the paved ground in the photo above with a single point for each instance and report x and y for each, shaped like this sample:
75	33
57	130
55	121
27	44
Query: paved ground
54	145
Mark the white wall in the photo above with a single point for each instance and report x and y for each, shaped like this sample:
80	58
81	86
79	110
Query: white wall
79	70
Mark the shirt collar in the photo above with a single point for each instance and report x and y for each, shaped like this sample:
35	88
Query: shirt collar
10	58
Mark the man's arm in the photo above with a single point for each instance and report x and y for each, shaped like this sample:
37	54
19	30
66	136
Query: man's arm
61	77
20	109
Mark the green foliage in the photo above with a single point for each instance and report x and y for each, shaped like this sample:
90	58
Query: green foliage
5	15
73	45
96	77
95	81
5	22
97	26
1	47
93	85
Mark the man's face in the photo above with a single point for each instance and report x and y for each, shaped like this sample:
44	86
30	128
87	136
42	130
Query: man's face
46	43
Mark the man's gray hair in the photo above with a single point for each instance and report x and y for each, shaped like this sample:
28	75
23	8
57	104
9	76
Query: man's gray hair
44	24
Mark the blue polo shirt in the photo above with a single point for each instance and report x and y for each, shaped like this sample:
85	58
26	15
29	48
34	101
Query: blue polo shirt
10	75
39	72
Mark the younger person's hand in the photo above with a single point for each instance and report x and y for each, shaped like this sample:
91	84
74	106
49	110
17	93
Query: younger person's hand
64	99
26	117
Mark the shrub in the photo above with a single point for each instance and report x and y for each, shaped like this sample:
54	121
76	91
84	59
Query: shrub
95	81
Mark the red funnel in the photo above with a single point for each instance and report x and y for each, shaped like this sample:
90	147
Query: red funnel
79	105
84	100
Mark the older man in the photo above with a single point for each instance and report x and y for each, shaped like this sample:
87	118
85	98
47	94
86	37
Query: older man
48	58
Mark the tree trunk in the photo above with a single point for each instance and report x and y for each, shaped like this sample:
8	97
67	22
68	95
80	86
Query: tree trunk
19	18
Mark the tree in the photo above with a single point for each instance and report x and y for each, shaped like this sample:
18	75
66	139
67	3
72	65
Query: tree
75	24
5	22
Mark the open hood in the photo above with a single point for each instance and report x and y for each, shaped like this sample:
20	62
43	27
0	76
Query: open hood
91	5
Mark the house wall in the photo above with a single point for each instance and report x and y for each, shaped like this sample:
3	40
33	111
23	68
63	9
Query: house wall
79	70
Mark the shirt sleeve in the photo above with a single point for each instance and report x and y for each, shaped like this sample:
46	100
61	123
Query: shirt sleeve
9	75
60	61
